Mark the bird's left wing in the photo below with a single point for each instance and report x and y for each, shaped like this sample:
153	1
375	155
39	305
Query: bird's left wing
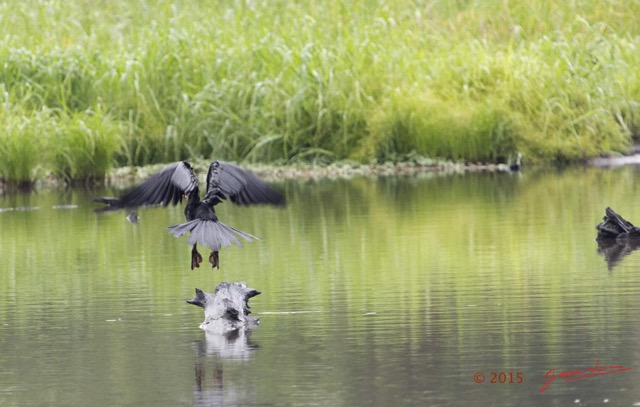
165	187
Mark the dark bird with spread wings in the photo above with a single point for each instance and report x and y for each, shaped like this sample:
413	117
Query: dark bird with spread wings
224	181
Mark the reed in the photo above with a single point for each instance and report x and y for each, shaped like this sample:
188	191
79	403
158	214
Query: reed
81	146
287	80
20	146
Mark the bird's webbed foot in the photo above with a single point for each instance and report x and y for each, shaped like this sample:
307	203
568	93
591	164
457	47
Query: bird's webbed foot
196	258
214	259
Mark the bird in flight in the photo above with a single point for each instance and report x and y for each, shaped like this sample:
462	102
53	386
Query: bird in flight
224	181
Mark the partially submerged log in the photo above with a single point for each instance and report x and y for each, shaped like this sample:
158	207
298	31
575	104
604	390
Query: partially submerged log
614	226
227	309
617	237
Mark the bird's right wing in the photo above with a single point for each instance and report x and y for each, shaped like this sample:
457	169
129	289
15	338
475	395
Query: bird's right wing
165	187
242	187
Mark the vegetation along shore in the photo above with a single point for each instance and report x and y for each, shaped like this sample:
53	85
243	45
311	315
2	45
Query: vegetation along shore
87	86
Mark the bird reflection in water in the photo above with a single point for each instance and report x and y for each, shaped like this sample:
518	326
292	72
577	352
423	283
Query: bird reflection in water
215	354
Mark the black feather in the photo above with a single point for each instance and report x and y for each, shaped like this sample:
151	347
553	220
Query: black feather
163	188
242	187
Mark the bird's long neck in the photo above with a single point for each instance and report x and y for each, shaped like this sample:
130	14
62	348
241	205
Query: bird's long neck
194	196
192	204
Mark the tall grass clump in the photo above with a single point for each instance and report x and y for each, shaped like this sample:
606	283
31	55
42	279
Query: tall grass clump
82	146
21	146
429	126
287	80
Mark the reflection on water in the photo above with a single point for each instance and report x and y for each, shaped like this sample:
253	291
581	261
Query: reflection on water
614	250
211	355
375	291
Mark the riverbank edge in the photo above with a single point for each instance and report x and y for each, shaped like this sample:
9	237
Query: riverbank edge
123	176
269	172
127	176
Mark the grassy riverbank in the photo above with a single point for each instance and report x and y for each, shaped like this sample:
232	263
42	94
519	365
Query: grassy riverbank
90	84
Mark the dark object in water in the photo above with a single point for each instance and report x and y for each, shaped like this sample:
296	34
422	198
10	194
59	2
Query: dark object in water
516	165
614	226
224	181
132	217
227	309
617	238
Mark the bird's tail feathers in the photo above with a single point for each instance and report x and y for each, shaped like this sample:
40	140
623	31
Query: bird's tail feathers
209	233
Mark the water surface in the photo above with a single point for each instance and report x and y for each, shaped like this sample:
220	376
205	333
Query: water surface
375	292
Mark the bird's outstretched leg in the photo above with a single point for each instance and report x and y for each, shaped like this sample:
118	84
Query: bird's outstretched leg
196	258
214	259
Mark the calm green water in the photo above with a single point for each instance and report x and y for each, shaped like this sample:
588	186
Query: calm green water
375	292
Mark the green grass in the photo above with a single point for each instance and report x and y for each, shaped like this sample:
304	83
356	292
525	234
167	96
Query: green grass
82	146
20	146
284	81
